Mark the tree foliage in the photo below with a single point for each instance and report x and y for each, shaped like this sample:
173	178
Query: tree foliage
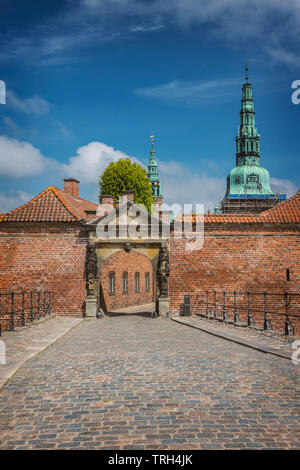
125	175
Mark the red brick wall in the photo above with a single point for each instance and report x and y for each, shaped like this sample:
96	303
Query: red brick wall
249	259
51	257
131	263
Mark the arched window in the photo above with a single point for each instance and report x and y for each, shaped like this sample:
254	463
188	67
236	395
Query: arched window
147	281
125	282
112	283
137	282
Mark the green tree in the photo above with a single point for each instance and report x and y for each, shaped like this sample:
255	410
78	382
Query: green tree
125	175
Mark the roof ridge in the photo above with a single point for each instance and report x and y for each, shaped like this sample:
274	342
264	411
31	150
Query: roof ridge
86	200
29	202
50	188
281	204
66	206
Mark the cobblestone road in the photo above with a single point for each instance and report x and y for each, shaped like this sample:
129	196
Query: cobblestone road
139	383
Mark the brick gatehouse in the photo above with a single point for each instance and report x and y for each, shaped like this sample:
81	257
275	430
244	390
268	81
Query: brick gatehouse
45	244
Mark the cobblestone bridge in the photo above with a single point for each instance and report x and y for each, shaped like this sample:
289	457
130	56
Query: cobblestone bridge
132	382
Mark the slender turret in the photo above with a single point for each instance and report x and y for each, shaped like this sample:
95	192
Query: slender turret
153	172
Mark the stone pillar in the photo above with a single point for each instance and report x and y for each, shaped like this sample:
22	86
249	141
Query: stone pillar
91	274
163	307
90	307
162	278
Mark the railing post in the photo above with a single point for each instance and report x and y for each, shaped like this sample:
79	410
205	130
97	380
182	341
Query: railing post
207	309
266	318
224	306
236	316
51	300
31	306
215	304
250	319
38	305
44	303
12	318
23	309
288	326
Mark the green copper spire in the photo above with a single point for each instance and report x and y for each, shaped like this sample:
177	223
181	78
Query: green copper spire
153	172
248	177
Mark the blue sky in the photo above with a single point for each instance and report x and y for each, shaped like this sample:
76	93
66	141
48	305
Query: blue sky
88	81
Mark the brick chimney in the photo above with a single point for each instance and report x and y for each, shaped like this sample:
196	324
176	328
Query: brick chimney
71	186
165	215
107	199
127	196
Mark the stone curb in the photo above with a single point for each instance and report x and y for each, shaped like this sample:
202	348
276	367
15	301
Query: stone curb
8	375
235	339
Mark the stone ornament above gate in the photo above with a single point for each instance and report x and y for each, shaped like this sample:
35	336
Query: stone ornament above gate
163	271
91	270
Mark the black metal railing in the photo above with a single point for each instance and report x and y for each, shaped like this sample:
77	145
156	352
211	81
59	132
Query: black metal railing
267	310
20	307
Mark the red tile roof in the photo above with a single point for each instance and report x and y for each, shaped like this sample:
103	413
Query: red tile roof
286	212
52	205
55	205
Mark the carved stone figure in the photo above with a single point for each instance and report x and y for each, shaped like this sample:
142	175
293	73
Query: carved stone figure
163	271
91	270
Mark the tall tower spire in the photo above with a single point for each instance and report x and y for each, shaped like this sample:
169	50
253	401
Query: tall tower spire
248	139
153	172
248	184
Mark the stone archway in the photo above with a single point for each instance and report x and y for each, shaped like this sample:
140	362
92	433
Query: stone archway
127	279
104	254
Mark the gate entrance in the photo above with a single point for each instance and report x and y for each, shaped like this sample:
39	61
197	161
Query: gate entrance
126	280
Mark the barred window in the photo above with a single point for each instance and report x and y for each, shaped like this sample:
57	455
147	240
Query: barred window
125	282
137	282
111	283
147	281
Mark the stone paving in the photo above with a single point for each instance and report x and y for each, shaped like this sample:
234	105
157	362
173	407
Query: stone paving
273	338
25	342
247	336
132	382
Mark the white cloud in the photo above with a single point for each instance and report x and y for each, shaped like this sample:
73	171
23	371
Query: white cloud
11	126
135	29
283	56
172	168
2	92
33	105
91	160
192	92
283	186
63	129
13	199
273	25
20	159
180	184
183	186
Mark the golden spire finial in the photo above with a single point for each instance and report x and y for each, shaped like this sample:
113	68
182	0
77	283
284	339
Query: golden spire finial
247	69
152	140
